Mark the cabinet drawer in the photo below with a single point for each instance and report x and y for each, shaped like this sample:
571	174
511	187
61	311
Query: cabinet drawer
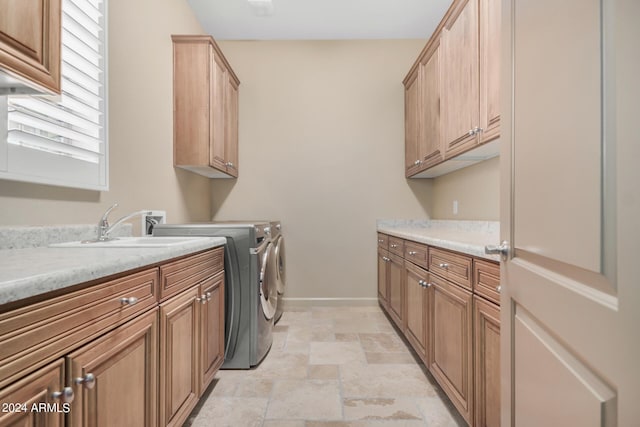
38	333
486	277
396	245
454	267
416	253
180	275
383	241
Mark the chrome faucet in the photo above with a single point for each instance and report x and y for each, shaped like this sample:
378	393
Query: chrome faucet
104	228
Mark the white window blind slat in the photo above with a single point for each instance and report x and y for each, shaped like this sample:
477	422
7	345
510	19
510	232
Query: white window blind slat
83	80
21	120
88	52
89	9
43	143
70	9
54	111
73	27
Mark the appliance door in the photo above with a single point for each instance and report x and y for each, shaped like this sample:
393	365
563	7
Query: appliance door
279	255
268	280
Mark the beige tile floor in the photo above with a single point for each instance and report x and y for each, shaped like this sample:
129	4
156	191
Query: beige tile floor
329	367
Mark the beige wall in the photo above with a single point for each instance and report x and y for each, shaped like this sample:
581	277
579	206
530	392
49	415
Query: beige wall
140	130
322	149
476	188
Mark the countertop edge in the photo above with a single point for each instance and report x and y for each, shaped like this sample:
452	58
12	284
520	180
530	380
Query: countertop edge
472	249
109	261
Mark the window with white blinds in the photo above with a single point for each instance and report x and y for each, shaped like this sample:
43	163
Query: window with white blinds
62	140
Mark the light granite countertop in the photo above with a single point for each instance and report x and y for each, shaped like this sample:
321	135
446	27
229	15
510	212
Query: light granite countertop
468	237
32	271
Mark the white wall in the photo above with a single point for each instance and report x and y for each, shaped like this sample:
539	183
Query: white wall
322	149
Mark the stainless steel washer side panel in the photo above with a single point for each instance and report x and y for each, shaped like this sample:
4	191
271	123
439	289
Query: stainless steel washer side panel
247	335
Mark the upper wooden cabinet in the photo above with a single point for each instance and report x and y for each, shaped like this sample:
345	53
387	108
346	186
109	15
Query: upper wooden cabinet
460	102
489	69
205	108
422	113
30	46
457	79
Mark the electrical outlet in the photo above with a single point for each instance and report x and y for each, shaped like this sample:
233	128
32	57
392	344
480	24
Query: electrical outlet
455	207
150	221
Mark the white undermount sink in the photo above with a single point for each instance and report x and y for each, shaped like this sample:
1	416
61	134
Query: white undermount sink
130	242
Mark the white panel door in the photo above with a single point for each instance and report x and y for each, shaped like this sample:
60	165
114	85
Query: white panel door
570	305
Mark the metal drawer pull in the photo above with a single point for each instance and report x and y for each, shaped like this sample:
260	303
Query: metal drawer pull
66	395
443	265
208	295
421	282
380	240
202	299
394	246
89	380
428	285
384	258
498	288
412	252
129	301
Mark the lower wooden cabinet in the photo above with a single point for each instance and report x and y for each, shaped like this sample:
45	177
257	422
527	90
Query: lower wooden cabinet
110	355
487	363
17	400
211	329
419	297
447	315
179	347
452	355
396	290
115	377
383	278
191	347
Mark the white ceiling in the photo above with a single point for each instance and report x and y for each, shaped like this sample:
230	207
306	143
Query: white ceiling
321	19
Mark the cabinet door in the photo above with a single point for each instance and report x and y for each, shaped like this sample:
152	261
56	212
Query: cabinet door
383	278
487	363
411	123
179	353
231	126
451	362
396	290
212	328
417	299
430	147
460	103
217	113
17	400
30	41
490	40
115	377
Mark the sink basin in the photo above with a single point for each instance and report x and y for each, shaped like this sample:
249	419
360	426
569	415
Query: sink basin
130	242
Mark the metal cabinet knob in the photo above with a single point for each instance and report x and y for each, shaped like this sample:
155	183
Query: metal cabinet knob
471	132
394	246
421	282
498	288
208	296
66	395
88	381
129	301
230	164
443	265
428	285
380	240
412	252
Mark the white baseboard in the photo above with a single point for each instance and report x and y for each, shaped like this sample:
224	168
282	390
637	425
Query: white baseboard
291	303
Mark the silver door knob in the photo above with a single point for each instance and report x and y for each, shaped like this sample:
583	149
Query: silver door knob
129	301
66	395
502	249
88	381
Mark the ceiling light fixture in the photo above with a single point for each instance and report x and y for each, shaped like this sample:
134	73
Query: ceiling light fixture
261	7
